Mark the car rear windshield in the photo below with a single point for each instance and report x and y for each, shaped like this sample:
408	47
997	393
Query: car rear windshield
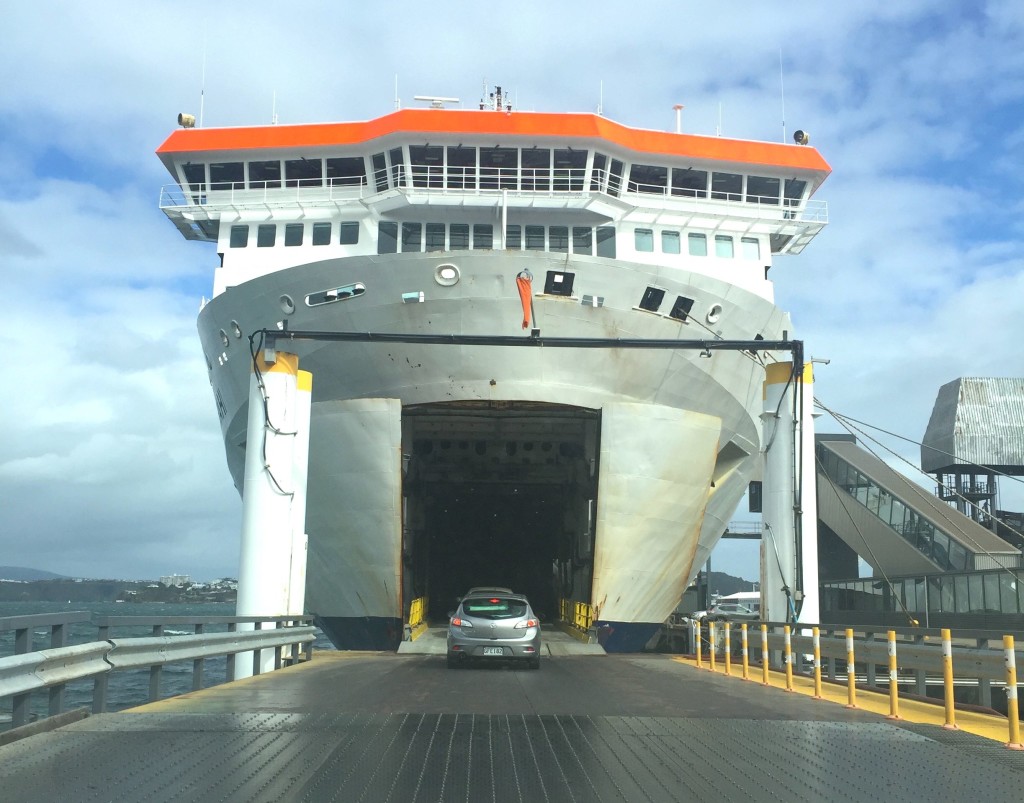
494	607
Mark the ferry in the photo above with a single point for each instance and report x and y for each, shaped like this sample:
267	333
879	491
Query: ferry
600	475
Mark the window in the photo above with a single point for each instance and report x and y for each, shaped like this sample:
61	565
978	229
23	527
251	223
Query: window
461	167
435	236
598	173
321	234
652	298
513	237
558	239
697	244
536	169
681	309
412	237
387	237
498	168
483	236
606	241
266	234
644	239
264	175
346	171
195	175
690	183
397	158
750	247
582	240
293	234
723	246
349	233
670	242
570	165
793	191
763	190
648	178
239	236
615	178
227	176
458	236
727	186
426	164
304	173
380	172
534	238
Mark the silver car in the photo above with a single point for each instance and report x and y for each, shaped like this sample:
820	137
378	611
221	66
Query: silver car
494	624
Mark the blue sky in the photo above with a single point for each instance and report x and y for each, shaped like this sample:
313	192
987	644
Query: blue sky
111	462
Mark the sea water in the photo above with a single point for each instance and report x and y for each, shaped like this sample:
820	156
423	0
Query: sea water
127	688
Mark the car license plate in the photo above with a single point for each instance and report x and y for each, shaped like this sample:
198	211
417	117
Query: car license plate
493	651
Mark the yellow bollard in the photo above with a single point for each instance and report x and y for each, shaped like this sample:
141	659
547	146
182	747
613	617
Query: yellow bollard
764	655
894	686
712	639
728	651
700	664
1011	695
851	678
788	659
743	641
947	680
817	663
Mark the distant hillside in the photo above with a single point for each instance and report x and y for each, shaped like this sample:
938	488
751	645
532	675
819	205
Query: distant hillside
27	575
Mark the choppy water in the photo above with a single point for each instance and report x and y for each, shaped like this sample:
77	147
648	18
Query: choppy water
130	687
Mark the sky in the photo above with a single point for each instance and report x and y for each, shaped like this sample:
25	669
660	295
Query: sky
111	460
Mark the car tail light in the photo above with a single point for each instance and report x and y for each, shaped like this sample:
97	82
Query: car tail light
460	622
526	623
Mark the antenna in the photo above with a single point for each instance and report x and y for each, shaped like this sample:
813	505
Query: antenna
273	110
782	92
202	86
679	117
600	101
398	103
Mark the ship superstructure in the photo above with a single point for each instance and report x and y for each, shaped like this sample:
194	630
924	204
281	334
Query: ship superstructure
600	475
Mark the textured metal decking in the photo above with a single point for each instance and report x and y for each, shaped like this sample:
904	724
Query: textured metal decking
374	727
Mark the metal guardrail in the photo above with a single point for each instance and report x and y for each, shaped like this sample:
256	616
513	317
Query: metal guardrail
29	670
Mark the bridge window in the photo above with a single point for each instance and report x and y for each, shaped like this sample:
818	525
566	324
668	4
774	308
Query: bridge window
412	237
266	234
461	167
321	234
513	237
697	244
195	175
387	238
582	240
750	247
689	182
558	239
615	178
293	233
498	167
652	298
427	165
483	236
458	236
534	238
606	241
793	191
723	246
536	169
727	186
763	190
346	171
397	157
349	233
380	172
598	174
304	173
648	178
670	242
264	175
227	176
435	236
643	239
570	165
239	236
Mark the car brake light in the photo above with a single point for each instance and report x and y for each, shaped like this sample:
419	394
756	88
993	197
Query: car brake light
459	622
526	624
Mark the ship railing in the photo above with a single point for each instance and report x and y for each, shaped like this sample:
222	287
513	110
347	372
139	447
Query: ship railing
979	658
52	668
264	194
